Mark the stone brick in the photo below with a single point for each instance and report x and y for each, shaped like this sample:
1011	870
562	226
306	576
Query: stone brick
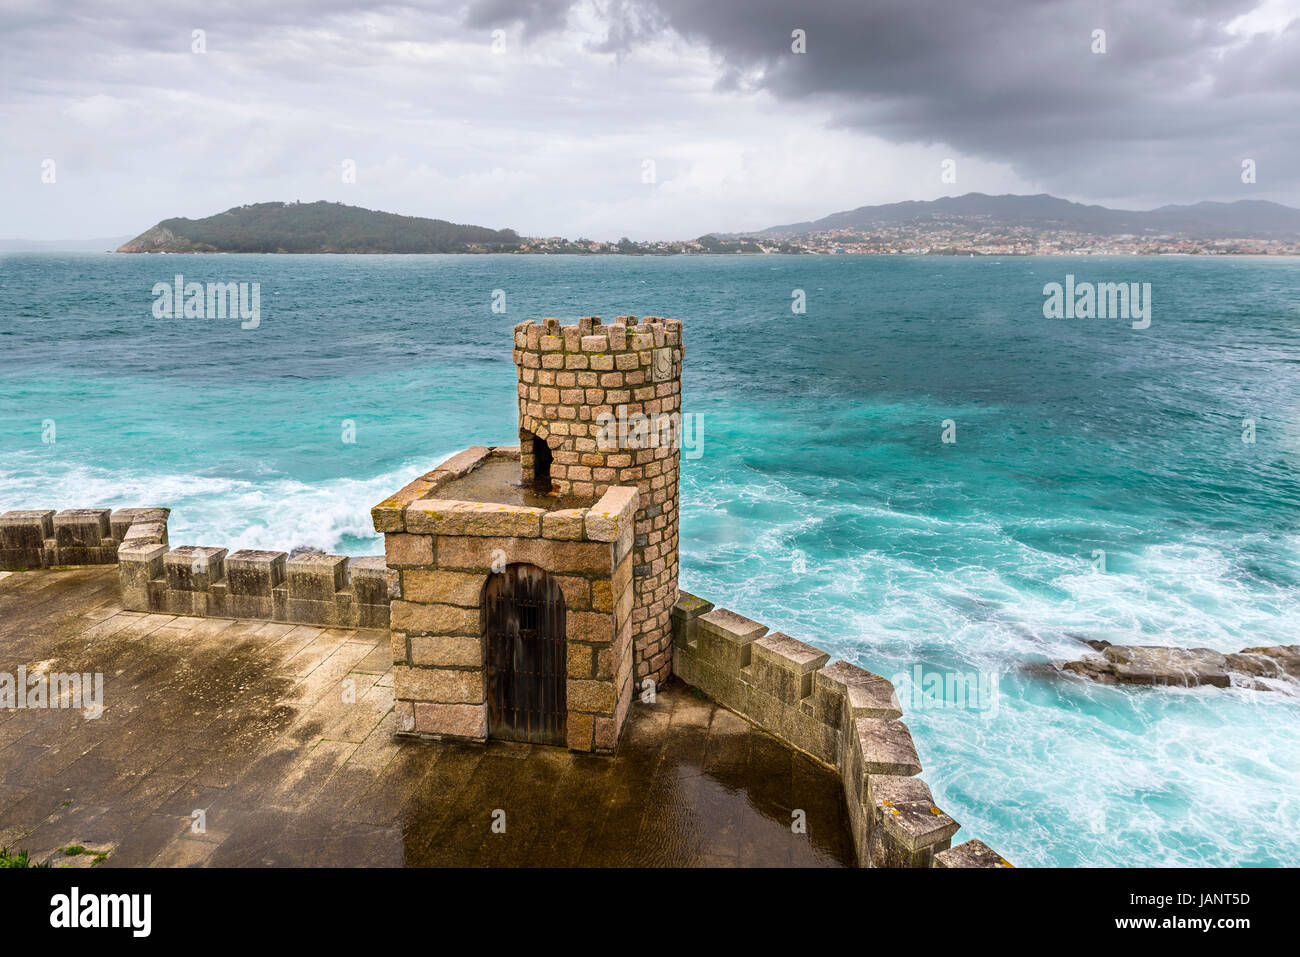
783	666
581	558
444	651
193	568
151	533
579	729
404	715
85	527
565	523
26	530
369	579
447	517
464	462
906	821
256	573
403	549
443	685
121	520
314	577
137	566
606	734
973	853
590	626
577	592
866	694
435	619
371	616
622	578
623	609
579	660
390	514
598	696
434	586
602	596
885	747
608	518
338	612
453	720
725	637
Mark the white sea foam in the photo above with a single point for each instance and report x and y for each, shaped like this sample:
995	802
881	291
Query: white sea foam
1101	775
1067	771
275	512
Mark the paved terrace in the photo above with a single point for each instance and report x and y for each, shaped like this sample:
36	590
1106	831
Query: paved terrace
247	720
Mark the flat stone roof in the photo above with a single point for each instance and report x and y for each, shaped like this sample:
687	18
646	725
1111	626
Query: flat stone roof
497	480
248	722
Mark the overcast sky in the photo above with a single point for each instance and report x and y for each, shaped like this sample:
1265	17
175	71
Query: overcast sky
553	132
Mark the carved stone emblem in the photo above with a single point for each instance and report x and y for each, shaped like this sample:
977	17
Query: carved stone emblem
663	365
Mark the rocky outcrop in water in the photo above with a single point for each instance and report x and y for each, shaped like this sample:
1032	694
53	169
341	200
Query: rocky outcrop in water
1188	667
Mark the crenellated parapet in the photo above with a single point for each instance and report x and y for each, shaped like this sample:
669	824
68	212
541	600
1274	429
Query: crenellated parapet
44	538
312	589
842	715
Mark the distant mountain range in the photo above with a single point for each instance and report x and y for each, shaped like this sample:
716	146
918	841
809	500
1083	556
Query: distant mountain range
952	221
1246	218
316	228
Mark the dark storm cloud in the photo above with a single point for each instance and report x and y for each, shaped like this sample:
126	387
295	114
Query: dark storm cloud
536	18
550	132
1172	107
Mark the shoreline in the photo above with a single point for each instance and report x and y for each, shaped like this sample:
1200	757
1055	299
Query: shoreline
686	255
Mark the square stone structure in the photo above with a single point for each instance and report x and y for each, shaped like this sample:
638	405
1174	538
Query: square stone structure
539	580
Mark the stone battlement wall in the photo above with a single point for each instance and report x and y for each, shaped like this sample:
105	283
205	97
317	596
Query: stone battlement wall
44	538
842	715
570	377
310	589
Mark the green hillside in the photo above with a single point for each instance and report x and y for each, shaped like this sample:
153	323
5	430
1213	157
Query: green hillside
317	228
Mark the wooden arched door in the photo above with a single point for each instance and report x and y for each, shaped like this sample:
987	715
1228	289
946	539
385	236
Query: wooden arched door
526	656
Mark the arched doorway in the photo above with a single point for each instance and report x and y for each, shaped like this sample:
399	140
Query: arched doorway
526	655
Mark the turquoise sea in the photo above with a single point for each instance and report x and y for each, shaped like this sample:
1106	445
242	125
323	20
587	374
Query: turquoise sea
825	503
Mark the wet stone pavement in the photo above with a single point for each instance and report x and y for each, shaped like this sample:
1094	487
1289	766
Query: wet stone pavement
250	743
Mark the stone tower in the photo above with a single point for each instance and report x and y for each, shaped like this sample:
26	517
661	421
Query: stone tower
600	406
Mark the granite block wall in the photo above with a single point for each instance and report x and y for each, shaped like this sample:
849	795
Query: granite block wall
310	589
44	538
844	716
